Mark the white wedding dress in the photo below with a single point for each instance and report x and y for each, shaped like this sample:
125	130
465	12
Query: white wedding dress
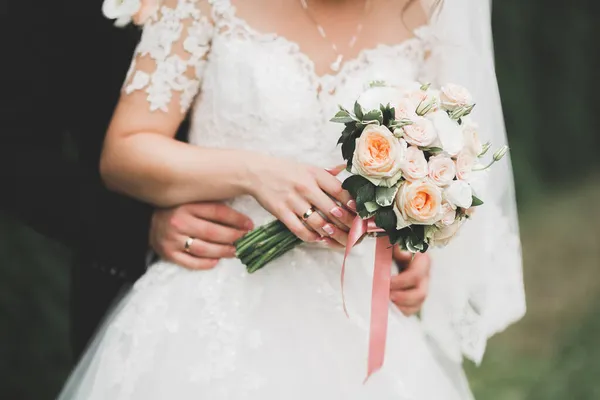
280	333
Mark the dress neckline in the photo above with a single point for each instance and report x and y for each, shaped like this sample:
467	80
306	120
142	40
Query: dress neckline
322	82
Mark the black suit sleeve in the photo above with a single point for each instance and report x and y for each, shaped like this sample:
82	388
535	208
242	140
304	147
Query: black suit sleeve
62	74
38	183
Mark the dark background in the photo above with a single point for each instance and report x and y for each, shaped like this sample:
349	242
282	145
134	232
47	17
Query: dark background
548	58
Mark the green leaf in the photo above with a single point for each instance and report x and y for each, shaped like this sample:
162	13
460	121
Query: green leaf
430	230
432	149
353	183
365	194
348	149
399	237
347	132
389	114
364	214
399	123
385	196
476	202
461	112
415	244
342	117
371	206
372	116
386	219
378	83
358	111
418	231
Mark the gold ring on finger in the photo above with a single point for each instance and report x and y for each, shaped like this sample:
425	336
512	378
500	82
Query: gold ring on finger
308	213
188	244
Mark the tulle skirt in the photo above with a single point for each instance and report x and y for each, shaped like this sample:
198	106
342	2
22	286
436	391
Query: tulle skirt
279	333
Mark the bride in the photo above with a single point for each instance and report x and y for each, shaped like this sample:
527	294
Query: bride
260	140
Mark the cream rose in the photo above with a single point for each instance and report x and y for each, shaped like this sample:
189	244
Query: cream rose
454	96
444	235
448	131
419	203
471	136
448	214
378	156
459	194
441	170
464	164
373	97
414	165
421	133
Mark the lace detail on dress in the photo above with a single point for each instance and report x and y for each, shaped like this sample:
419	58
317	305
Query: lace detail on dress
412	49
177	40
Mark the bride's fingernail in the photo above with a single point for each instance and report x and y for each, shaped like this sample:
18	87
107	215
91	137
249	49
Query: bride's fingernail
249	225
352	205
328	229
337	212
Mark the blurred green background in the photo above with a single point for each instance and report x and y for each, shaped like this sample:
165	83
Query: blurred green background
547	62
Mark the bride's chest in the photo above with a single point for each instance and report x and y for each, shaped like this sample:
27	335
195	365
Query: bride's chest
262	93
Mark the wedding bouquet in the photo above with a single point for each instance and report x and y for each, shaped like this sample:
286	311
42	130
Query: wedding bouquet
413	152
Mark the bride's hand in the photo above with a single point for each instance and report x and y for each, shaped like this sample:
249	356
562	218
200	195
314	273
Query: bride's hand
288	190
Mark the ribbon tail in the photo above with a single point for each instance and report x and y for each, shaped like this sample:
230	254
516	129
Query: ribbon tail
357	230
379	304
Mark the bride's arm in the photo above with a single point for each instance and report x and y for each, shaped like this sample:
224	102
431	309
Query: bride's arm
142	159
140	156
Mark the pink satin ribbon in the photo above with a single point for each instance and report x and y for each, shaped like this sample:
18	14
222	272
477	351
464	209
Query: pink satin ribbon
381	289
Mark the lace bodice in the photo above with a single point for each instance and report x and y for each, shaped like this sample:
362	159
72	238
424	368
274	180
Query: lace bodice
256	91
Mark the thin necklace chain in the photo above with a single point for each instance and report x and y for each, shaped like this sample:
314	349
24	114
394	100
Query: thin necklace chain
335	66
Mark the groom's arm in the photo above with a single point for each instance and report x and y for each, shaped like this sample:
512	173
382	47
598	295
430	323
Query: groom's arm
37	181
47	181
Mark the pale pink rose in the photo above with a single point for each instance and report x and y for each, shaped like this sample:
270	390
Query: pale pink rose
444	235
378	156
419	203
414	166
405	109
471	135
454	96
464	164
147	9
421	133
448	214
416	96
441	170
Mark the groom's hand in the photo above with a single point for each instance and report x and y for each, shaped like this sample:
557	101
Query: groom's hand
214	228
410	287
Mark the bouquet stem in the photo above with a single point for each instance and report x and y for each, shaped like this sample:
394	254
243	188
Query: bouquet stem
265	244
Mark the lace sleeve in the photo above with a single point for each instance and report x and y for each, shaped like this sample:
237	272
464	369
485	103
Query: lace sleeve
169	60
